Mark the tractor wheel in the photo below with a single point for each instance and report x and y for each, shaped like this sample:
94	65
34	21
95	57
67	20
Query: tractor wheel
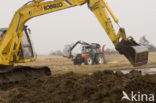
88	60
76	62
99	59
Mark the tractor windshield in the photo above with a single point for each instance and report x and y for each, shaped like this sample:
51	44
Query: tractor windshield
86	50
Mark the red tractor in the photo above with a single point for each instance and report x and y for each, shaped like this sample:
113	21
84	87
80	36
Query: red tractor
91	54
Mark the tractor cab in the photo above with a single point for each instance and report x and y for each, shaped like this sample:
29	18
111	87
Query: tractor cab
86	49
94	47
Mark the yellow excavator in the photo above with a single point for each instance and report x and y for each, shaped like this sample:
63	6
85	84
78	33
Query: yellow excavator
16	47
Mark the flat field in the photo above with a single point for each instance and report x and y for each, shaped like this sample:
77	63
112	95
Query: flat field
61	65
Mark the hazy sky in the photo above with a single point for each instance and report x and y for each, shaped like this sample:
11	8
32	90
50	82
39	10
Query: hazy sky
52	31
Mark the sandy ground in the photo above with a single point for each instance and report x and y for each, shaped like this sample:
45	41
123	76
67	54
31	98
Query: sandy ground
61	65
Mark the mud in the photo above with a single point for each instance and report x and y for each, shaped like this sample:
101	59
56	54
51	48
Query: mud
23	73
99	87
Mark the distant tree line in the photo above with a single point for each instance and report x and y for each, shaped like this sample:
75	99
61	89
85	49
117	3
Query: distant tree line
56	53
147	44
142	41
110	51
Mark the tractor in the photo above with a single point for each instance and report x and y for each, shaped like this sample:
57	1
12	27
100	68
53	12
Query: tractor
90	54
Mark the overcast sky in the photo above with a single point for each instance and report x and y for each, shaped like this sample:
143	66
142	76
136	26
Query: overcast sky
52	31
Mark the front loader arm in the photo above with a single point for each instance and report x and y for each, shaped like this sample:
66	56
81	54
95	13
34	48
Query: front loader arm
78	42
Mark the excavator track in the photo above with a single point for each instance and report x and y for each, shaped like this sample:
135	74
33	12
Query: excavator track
23	73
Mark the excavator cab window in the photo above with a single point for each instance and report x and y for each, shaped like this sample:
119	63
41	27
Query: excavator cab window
26	49
2	32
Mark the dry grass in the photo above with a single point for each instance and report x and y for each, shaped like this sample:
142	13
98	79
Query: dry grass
61	65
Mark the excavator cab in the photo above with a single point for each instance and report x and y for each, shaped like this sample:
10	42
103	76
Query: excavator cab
13	74
26	48
134	52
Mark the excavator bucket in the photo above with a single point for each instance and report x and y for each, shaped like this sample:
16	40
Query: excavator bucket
134	52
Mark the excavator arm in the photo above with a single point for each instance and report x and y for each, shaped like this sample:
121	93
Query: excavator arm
135	53
11	42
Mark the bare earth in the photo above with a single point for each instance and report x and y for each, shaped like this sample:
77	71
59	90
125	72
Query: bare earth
70	84
61	65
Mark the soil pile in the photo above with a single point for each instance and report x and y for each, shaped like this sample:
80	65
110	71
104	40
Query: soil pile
100	87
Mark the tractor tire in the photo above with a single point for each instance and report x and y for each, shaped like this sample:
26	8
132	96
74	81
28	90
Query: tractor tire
88	60
76	62
99	59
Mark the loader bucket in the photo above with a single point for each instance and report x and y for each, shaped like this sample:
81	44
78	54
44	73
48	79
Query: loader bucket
134	52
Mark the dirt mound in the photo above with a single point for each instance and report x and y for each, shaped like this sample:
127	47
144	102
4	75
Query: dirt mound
100	87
